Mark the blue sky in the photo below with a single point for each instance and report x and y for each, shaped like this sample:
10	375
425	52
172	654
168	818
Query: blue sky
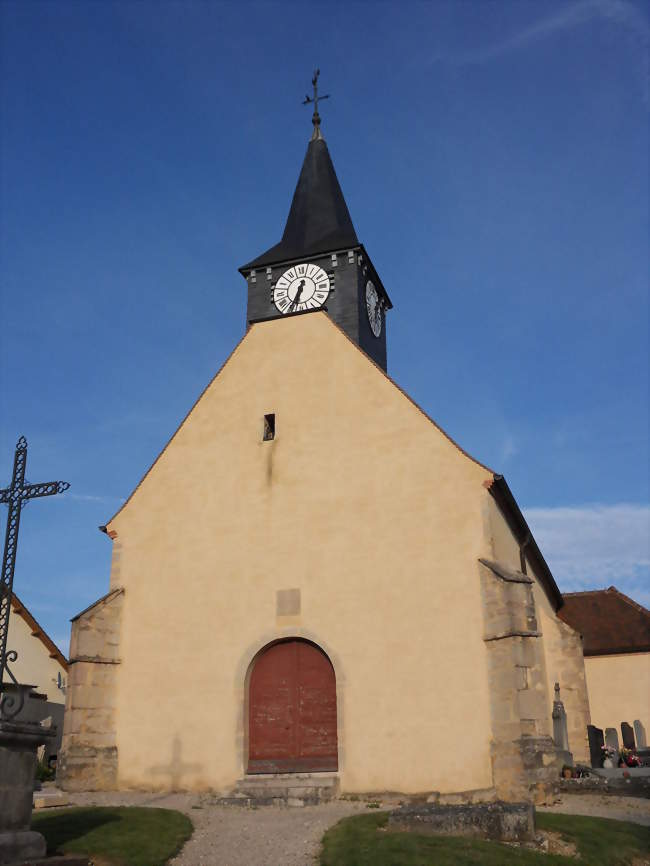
494	160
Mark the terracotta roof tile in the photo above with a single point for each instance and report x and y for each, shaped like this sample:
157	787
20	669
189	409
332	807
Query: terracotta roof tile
608	620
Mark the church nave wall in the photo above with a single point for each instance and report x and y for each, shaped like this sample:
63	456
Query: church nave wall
361	509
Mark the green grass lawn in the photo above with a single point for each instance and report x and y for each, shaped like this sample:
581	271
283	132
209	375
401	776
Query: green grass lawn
121	836
364	841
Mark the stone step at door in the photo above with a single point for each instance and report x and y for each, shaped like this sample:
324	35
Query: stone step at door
283	789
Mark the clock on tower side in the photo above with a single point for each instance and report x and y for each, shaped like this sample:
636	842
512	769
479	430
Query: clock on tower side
355	296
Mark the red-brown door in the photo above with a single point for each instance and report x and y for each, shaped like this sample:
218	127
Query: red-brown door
292	710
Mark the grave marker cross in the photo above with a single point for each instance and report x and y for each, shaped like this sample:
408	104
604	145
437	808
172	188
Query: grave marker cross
16	496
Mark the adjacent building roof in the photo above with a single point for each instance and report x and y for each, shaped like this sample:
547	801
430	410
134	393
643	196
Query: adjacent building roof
608	620
38	631
319	220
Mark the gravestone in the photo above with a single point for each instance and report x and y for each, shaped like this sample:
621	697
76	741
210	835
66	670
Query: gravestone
596	743
628	736
560	730
611	739
639	733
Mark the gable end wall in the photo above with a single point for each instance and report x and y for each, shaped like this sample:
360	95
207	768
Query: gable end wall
359	503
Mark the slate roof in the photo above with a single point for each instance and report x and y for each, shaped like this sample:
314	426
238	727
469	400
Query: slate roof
319	220
508	506
608	620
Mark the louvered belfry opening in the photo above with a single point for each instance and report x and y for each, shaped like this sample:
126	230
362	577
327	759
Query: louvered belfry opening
292	710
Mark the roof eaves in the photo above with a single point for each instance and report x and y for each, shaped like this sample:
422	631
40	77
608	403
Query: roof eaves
276	258
38	631
510	509
617	651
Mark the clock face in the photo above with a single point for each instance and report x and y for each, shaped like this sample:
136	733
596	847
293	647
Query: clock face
374	309
302	287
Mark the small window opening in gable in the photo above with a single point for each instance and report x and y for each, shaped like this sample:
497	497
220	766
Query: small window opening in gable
269	427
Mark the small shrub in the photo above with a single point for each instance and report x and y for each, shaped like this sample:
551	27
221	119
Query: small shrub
43	772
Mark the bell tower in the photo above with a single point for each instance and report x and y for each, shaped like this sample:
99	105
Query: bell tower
320	263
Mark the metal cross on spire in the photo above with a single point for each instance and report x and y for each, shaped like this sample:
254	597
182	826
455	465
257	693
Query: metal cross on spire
309	100
15	496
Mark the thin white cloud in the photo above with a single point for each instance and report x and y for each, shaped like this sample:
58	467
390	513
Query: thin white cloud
90	497
621	12
508	448
596	546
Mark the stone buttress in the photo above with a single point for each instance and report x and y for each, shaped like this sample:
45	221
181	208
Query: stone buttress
88	759
525	760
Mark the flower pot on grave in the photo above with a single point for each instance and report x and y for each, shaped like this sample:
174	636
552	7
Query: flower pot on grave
608	764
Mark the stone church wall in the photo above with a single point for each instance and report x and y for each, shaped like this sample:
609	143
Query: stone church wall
359	527
88	758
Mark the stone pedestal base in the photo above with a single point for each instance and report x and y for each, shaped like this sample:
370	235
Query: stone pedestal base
18	744
526	769
20	847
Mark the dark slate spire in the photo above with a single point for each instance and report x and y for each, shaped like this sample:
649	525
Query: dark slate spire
319	221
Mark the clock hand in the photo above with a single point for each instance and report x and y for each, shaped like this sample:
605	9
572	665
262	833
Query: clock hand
296	300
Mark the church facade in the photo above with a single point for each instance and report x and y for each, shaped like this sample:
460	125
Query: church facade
313	577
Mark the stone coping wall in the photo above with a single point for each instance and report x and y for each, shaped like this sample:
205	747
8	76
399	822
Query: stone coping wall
507	822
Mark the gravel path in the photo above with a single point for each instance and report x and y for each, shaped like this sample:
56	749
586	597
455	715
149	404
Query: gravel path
633	809
274	836
236	836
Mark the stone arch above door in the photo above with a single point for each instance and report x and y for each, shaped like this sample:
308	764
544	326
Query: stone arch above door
292	713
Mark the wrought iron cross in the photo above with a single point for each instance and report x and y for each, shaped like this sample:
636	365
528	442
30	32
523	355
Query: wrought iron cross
308	100
16	496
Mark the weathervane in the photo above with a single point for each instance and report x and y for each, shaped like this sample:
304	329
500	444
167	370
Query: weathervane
308	100
16	497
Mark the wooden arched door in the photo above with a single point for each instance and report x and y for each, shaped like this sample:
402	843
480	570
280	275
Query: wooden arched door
292	710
